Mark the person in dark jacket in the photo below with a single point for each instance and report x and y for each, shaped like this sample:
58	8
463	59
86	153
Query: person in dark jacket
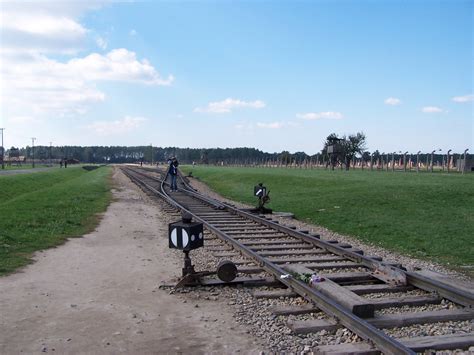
173	172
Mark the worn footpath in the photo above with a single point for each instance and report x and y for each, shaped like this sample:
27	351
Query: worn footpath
100	293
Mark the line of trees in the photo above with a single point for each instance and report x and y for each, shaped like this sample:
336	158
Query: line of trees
122	154
353	148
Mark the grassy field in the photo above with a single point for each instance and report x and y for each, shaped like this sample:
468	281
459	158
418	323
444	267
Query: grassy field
23	166
424	215
41	210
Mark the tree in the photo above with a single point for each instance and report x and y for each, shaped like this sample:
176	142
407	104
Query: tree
204	157
352	145
347	148
14	152
285	157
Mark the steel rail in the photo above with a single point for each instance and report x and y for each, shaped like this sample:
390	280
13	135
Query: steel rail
449	292
190	190
359	326
454	294
327	305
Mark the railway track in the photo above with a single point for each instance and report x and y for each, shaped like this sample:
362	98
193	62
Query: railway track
258	244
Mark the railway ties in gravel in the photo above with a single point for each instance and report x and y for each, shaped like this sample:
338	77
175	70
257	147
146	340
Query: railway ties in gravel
360	293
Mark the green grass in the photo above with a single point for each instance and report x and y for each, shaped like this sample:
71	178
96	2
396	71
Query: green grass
424	215
24	166
41	210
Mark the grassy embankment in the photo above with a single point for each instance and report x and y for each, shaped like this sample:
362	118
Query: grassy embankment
424	215
41	210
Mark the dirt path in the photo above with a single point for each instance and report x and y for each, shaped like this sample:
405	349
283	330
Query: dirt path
99	293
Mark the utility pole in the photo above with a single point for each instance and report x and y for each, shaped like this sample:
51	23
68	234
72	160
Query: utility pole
3	151
33	147
50	159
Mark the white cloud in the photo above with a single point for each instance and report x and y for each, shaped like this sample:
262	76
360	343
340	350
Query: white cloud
46	85
118	65
32	26
393	101
132	32
277	124
125	125
462	99
228	105
244	126
33	83
39	85
331	115
22	119
293	124
431	109
42	24
101	43
271	125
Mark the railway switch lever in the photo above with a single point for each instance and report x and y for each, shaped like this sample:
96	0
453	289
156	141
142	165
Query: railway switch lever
260	191
186	235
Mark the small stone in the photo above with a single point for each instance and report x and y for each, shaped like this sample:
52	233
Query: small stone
196	306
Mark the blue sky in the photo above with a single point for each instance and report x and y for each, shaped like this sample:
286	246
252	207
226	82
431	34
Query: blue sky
275	75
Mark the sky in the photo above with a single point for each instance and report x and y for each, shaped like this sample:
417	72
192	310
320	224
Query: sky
274	75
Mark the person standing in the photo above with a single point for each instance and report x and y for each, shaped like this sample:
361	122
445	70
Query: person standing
173	172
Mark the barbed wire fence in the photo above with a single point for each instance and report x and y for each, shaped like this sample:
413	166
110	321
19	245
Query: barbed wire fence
449	163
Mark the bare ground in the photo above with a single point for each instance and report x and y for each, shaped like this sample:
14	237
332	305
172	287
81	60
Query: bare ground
100	293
